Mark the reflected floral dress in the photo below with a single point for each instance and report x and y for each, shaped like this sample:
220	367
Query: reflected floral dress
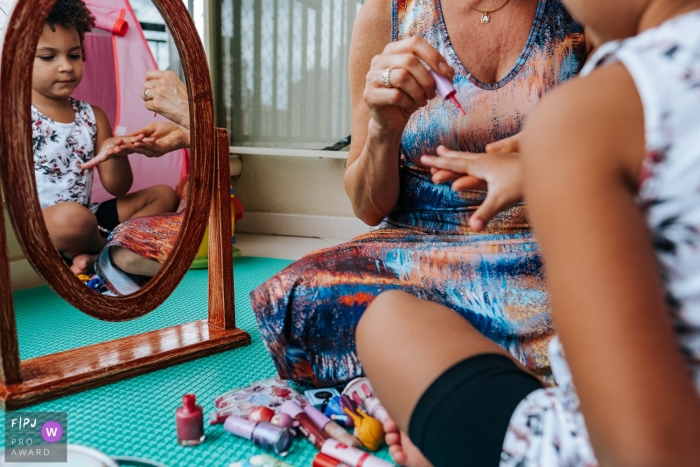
308	313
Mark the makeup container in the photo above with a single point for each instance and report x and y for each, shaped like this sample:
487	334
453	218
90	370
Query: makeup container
322	460
376	409
446	90
310	431
319	397
261	460
263	434
189	420
331	428
351	456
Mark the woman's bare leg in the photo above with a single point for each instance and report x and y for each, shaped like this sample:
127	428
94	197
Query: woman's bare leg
405	344
132	263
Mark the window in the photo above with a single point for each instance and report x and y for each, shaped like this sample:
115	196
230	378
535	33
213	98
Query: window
284	71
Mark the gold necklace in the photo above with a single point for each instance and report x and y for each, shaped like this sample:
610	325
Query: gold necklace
485	16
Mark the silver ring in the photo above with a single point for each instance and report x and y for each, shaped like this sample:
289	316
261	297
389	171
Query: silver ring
145	95
386	78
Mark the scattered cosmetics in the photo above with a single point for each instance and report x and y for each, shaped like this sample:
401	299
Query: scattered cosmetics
362	394
262	460
322	460
263	434
331	428
334	411
319	397
270	393
351	456
368	429
189	420
269	411
283	420
310	431
261	414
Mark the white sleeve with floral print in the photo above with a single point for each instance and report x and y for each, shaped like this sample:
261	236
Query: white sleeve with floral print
547	428
59	151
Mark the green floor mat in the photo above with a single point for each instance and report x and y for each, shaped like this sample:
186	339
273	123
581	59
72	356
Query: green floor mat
136	417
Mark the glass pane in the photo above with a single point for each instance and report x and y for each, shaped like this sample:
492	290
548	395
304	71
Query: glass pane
284	70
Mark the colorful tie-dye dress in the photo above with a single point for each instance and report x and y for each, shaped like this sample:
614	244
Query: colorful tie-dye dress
308	312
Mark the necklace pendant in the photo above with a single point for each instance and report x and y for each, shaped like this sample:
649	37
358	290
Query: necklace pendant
485	18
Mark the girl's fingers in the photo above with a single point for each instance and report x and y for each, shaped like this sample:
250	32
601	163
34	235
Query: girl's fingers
469	183
442	176
460	166
510	144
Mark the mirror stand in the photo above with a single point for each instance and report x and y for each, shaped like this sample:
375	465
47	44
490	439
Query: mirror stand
39	379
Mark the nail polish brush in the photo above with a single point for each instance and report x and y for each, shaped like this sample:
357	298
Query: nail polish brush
445	88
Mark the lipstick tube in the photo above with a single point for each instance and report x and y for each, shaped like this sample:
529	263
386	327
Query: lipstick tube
322	460
352	456
264	435
331	428
310	431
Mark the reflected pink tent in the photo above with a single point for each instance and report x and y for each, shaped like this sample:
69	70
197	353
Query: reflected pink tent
117	59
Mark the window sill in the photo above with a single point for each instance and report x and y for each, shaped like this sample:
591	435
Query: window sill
240	150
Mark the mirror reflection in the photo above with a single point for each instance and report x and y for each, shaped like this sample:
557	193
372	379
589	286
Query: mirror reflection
109	132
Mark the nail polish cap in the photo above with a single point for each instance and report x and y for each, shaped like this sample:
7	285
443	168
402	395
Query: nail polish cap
240	426
291	408
443	85
316	416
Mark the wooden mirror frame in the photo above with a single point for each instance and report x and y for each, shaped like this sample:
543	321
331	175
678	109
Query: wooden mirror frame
39	379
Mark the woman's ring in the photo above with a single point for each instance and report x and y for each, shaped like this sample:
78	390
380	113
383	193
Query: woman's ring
386	78
146	97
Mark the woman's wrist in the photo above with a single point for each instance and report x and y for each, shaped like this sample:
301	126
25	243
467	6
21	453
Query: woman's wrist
383	136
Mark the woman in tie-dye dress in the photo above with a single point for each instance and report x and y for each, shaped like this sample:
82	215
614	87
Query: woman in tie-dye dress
502	63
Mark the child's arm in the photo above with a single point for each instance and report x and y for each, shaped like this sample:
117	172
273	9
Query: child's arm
115	172
581	175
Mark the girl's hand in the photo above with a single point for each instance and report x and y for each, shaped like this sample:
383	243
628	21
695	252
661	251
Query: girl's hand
411	83
502	173
167	95
114	146
467	182
159	138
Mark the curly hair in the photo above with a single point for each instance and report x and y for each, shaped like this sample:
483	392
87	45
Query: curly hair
71	14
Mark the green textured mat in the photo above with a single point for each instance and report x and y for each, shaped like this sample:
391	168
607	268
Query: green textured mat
136	417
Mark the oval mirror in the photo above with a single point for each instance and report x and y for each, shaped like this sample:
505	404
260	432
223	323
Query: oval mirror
56	114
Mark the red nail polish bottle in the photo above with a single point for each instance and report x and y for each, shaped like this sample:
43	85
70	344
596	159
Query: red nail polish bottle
190	422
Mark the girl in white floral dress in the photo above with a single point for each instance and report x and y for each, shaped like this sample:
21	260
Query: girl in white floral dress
611	165
66	134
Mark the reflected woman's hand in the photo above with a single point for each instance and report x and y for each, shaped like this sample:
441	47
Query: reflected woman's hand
159	138
167	95
111	147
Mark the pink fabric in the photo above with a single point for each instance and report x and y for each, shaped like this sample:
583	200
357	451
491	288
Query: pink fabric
114	82
99	78
110	19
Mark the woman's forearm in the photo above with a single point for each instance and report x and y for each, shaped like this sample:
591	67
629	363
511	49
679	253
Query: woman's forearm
372	180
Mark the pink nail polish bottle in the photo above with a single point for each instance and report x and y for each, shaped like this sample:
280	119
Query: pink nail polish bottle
446	90
190	422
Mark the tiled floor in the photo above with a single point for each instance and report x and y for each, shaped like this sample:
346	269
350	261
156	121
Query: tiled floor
274	246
